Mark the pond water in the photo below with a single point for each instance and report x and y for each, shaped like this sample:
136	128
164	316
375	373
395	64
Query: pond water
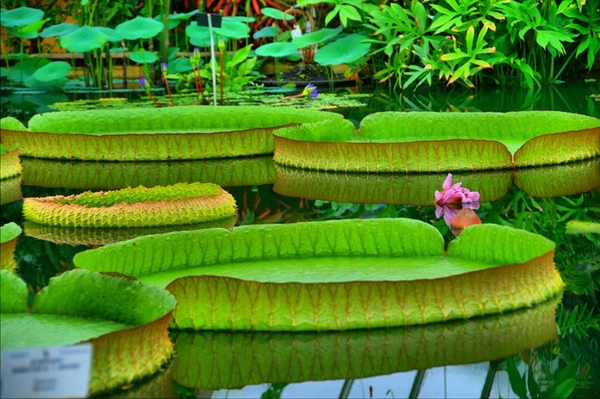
549	350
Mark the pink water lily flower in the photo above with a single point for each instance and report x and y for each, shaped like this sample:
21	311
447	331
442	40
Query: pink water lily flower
453	198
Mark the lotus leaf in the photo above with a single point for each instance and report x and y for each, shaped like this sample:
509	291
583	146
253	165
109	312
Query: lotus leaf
24	69
59	30
233	29
52	71
30	31
179	204
20	17
320	36
139	28
436	142
9	233
112	35
267	31
169	133
277	50
220	360
276	14
248	171
84	39
239	18
179	65
336	275
343	51
126	322
143	57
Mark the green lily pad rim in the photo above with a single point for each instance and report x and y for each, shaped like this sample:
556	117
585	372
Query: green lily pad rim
9	231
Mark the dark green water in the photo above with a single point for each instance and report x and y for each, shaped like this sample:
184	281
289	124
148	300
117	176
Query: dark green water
510	355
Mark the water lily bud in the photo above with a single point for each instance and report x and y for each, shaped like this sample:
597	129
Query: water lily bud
221	45
143	82
163	68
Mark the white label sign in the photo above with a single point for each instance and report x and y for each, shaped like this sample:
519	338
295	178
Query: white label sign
56	372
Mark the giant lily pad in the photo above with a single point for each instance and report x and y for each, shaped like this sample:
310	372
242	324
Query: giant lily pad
343	51
169	133
174	205
9	233
84	39
125	321
10	163
436	142
90	236
417	188
139	28
10	190
229	172
222	360
336	275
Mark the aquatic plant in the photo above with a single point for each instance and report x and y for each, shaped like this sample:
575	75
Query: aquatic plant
168	133
124	320
220	360
453	198
432	142
336	275
179	204
10	190
9	234
10	164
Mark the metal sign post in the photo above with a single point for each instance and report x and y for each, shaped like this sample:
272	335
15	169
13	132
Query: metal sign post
211	20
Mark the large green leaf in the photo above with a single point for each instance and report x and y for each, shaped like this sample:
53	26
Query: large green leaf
10	190
84	39
139	28
52	71
59	30
24	69
125	320
10	163
233	30
320	36
276	14
179	204
9	231
277	50
20	17
223	360
9	234
372	188
101	236
143	57
247	171
336	275
168	133
343	51
433	141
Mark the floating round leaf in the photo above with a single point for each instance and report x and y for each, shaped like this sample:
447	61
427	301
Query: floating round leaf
139	28
337	275
277	50
20	17
276	14
317	37
143	57
215	360
53	71
124	320
59	30
178	204
439	141
167	133
233	30
83	39
9	233
343	51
